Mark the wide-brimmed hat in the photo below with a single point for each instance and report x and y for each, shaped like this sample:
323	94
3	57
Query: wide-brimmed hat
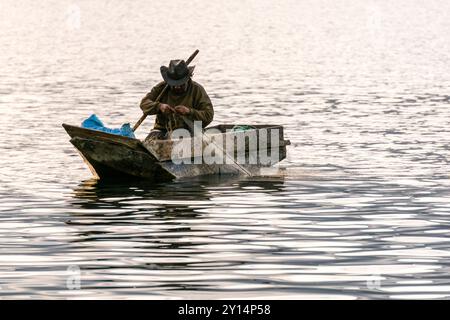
177	73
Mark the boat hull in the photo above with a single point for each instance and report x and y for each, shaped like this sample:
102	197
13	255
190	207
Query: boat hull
110	156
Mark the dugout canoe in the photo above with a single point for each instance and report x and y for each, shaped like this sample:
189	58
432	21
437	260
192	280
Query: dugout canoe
111	156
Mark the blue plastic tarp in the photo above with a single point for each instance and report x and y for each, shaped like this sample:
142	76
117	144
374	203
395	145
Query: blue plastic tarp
94	123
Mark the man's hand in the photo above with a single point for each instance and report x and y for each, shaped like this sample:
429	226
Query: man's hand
183	110
165	108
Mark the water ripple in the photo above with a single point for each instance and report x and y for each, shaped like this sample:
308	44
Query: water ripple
358	209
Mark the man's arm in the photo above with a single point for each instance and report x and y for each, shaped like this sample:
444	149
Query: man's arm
203	109
148	104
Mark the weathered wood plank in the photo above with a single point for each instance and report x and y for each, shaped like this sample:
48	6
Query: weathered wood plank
80	132
234	144
117	159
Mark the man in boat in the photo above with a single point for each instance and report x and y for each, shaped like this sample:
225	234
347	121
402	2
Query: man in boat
184	101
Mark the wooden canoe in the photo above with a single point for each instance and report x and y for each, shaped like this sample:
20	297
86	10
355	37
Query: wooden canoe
110	156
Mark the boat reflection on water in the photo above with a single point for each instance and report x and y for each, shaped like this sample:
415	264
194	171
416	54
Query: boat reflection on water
152	204
94	193
165	226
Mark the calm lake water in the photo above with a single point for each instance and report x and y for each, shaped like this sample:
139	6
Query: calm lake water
359	210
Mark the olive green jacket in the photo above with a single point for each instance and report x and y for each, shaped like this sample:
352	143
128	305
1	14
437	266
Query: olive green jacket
195	99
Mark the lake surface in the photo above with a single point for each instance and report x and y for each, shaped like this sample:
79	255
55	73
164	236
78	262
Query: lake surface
359	209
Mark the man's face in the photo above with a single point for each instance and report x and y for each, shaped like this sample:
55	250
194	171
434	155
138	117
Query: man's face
179	89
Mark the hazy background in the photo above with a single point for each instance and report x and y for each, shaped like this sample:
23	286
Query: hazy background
359	211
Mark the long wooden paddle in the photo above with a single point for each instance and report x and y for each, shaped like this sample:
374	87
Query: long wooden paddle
188	61
191	127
